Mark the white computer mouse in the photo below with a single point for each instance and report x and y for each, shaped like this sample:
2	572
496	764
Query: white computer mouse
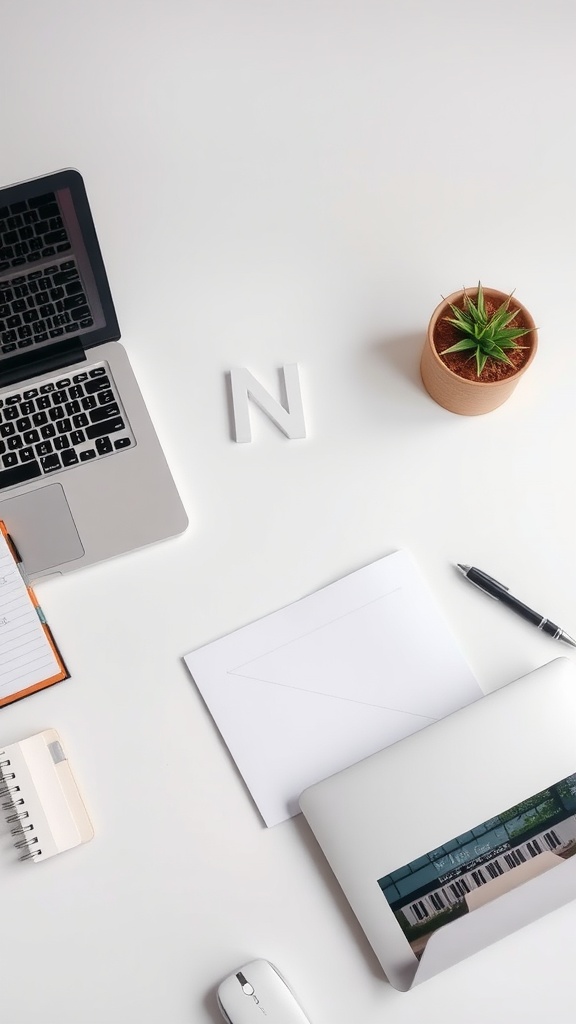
257	994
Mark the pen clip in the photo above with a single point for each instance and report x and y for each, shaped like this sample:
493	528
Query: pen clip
491	578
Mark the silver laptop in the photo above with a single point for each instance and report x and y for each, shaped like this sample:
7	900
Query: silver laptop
82	473
462	833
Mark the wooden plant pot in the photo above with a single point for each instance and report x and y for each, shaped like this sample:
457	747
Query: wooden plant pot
456	393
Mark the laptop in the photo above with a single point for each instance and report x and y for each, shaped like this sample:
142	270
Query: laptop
462	833
82	474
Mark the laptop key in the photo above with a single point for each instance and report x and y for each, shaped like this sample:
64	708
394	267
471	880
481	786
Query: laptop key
99	384
69	458
10	459
50	463
103	445
44	448
80	313
88	454
26	454
49	210
56	236
108	427
31	437
104	412
77	437
65	275
73	301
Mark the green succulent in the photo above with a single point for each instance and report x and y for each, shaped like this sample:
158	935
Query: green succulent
488	336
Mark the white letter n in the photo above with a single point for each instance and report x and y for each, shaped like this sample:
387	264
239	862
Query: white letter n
289	418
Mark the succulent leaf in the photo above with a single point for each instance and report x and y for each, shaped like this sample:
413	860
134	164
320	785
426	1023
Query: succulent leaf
488	334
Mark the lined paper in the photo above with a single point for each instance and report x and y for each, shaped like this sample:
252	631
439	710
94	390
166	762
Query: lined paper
26	655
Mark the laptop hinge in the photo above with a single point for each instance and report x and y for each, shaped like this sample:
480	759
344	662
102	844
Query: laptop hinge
46	360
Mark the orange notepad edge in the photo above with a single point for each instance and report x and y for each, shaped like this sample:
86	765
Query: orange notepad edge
63	673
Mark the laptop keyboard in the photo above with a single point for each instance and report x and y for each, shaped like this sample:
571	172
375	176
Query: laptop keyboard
60	424
42	305
31	230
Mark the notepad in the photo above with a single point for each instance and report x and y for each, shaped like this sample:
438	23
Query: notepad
330	679
40	798
29	658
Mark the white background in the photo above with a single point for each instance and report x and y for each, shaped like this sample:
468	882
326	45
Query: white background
275	182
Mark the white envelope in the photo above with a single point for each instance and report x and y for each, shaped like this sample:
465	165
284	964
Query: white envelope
324	682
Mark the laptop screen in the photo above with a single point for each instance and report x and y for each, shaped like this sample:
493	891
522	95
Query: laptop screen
54	293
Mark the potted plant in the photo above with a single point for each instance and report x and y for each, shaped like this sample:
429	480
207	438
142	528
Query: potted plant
479	343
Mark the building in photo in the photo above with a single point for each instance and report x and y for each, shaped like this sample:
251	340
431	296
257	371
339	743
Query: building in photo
436	887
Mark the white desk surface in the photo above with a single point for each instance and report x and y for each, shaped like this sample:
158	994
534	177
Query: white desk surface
296	181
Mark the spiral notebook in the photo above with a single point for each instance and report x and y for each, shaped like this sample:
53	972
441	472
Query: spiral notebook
40	799
29	658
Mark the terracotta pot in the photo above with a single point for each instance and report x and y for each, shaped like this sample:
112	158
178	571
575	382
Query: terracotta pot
457	394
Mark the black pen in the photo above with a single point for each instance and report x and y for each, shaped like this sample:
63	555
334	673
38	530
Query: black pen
501	593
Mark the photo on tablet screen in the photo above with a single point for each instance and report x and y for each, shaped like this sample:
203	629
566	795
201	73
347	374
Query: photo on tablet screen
484	863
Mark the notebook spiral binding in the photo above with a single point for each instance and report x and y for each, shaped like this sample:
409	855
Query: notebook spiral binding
18	818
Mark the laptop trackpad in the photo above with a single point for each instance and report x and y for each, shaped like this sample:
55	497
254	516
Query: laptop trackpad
42	527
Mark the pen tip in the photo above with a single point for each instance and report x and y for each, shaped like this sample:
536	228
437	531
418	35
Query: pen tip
462	568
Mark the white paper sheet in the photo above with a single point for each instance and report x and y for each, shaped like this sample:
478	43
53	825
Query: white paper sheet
26	656
324	682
